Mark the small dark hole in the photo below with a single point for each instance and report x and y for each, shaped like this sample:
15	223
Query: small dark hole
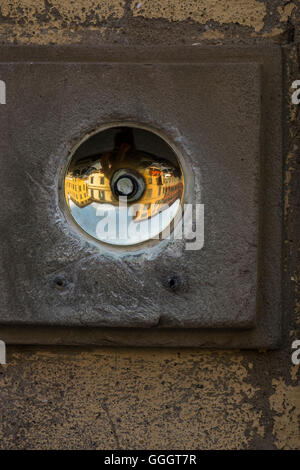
174	283
59	283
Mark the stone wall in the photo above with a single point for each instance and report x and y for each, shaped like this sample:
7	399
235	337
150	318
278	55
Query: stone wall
95	398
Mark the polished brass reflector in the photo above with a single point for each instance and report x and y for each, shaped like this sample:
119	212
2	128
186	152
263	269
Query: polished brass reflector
124	186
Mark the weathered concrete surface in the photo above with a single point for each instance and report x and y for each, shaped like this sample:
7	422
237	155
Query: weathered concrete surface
134	21
137	399
67	398
145	391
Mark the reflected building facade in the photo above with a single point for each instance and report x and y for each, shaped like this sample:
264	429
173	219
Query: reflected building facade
151	184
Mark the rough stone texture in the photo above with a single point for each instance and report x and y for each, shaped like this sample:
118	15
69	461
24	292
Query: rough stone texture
203	11
127	22
75	398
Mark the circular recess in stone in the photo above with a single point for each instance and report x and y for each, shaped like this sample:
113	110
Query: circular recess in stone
124	185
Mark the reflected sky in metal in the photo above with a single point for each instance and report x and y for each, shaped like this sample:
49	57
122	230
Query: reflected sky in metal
123	194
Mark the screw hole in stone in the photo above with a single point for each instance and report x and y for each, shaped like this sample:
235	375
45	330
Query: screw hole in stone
174	283
59	283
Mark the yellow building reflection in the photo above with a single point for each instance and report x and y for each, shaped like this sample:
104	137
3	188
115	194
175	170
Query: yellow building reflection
89	180
99	189
76	189
162	189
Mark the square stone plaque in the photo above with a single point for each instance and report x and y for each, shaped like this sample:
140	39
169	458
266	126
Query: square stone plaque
221	107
